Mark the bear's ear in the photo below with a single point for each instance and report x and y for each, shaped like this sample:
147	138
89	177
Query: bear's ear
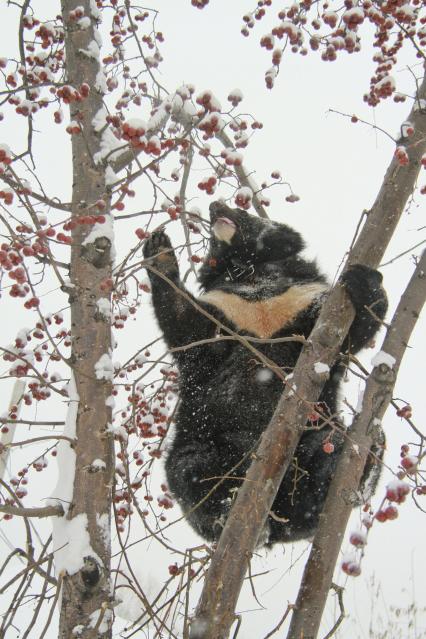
277	241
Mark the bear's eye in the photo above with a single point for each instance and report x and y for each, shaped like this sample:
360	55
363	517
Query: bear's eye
224	229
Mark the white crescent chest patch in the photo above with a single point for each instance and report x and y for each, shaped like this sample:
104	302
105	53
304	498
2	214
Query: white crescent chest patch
263	318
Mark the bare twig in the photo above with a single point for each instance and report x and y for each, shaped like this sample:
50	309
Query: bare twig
289	608
339	592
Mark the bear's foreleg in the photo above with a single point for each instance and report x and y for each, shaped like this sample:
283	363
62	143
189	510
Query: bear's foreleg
176	310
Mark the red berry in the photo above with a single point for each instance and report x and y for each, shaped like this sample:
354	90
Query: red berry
141	234
409	463
174	570
397	490
405	411
358	538
292	198
391	512
351	568
328	448
381	516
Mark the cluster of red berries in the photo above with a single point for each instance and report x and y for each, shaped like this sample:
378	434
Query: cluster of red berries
26	108
76	14
208	185
292	198
133	131
49	35
33	302
243	198
207	100
408	462
141	234
17	290
211	124
344	25
6	195
68	94
231	157
64	239
401	156
138	457
81	219
40	464
5	154
18	274
235	97
140	17
9	257
19	483
29	22
73	128
166	500
387	514
397	491
405	411
174	211
351	568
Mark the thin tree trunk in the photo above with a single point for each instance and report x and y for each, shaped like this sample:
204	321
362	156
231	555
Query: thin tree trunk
86	593
318	573
216	608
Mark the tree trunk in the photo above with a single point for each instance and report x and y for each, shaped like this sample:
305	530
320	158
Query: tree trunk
86	593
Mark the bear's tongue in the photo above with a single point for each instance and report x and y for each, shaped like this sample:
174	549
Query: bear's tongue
224	229
225	220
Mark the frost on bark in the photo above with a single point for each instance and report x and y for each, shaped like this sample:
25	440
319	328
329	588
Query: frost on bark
86	593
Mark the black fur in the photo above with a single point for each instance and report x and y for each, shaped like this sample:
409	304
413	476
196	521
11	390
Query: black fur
227	397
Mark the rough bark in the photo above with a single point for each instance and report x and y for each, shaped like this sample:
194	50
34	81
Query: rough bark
215	612
86	594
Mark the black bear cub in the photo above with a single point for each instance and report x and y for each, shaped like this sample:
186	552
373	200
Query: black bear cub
256	283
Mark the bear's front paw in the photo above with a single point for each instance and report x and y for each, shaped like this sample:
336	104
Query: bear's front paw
159	252
363	285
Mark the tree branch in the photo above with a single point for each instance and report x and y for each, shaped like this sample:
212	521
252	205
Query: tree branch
215	611
122	161
40	513
242	176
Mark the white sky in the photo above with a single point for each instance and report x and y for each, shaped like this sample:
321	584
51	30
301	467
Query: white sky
336	168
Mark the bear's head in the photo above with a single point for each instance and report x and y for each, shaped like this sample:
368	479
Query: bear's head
238	238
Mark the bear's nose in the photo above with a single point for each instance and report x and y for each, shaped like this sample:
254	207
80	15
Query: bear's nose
218	209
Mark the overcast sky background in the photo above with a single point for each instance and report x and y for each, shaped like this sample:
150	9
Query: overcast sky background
336	168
